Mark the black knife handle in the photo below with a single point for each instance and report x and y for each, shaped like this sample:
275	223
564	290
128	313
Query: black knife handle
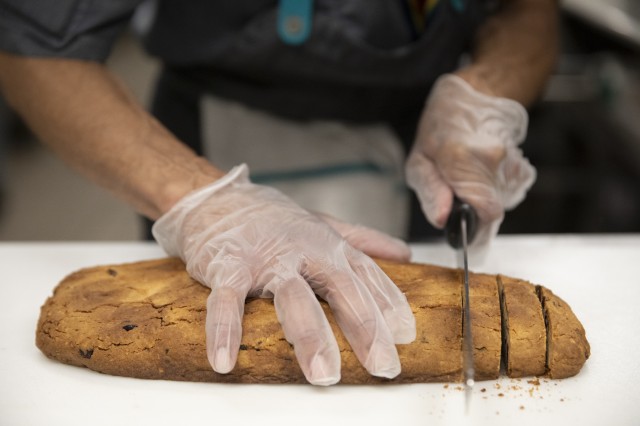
452	229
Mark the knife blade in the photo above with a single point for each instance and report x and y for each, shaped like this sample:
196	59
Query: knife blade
460	231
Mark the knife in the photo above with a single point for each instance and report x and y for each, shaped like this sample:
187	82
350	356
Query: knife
460	231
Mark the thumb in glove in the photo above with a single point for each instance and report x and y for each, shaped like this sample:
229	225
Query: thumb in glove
467	145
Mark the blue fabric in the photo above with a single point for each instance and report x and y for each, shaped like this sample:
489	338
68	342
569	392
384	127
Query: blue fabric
294	20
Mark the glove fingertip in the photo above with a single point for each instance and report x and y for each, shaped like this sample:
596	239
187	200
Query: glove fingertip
403	329
326	381
222	362
382	359
388	248
405	336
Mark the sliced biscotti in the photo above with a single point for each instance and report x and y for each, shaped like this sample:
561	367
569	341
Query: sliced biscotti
523	328
147	319
567	345
486	322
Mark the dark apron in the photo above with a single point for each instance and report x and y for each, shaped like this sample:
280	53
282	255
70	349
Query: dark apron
362	63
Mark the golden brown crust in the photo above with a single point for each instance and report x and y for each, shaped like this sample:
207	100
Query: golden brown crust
485	325
524	330
146	320
567	345
436	300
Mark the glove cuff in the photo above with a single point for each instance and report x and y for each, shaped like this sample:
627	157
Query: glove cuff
486	114
166	229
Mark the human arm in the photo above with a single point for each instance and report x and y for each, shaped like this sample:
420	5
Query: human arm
88	118
515	50
474	120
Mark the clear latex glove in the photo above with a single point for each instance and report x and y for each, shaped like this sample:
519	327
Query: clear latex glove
245	240
467	145
368	240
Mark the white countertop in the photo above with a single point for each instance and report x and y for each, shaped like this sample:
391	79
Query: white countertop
596	275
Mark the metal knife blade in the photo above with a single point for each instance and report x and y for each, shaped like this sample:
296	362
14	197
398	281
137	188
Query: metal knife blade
460	231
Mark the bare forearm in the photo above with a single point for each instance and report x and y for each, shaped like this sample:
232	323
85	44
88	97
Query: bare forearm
515	50
89	119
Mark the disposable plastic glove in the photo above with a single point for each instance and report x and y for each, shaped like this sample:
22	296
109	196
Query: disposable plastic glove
245	240
467	145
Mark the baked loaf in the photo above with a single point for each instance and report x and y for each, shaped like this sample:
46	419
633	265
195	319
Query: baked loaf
146	320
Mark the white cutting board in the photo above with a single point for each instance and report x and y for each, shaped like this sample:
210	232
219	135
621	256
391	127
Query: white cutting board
597	276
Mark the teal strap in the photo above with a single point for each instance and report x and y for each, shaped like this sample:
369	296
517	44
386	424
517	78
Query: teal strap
270	178
294	20
319	172
458	5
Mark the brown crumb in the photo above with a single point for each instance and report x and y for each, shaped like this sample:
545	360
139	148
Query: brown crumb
500	394
446	386
483	390
535	382
561	399
522	407
497	386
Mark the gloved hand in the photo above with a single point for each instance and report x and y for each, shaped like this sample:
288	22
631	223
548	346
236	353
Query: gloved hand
245	240
467	145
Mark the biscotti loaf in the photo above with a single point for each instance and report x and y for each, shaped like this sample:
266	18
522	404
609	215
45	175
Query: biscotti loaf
146	320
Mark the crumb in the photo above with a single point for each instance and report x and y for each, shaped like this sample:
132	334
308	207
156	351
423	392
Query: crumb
531	392
497	386
522	407
561	399
483	390
535	382
500	394
459	388
446	386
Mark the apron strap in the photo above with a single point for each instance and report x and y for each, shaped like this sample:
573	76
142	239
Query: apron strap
294	20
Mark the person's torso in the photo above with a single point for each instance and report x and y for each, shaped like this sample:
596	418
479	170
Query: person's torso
364	60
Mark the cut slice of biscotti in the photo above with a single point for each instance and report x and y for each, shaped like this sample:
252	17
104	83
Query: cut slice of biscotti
524	332
146	320
486	320
567	347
